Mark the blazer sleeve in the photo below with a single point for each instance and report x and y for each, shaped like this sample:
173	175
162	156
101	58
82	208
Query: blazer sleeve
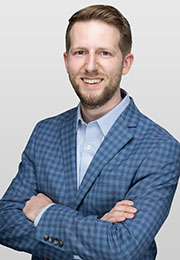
91	238
16	231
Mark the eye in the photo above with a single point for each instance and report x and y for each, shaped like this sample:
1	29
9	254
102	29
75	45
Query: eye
105	53
80	52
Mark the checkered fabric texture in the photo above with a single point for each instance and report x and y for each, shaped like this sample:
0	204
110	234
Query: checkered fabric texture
138	160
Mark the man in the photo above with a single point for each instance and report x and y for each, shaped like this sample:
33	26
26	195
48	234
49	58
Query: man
97	181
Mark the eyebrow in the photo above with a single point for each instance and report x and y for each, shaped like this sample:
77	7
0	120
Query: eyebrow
99	49
77	48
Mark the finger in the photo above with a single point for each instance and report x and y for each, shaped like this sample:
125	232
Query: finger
128	209
43	197
116	214
122	208
119	218
128	214
125	202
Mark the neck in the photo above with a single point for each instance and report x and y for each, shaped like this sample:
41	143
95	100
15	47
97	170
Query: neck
90	115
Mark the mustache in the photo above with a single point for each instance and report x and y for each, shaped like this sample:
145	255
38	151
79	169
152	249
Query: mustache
92	74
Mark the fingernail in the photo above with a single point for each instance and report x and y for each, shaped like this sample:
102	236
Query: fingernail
133	210
130	215
130	202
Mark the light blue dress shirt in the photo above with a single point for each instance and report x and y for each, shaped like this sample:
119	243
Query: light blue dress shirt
89	138
91	135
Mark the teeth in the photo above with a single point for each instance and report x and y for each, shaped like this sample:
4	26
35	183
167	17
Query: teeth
92	81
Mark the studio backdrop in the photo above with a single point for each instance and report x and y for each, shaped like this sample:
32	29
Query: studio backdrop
34	84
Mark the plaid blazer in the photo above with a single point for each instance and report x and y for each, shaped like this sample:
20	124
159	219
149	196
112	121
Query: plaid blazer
138	160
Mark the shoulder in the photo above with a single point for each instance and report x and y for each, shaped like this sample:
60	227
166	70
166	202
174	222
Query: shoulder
146	126
155	131
58	119
53	124
148	135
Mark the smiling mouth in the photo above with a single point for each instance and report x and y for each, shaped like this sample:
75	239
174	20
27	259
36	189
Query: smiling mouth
91	81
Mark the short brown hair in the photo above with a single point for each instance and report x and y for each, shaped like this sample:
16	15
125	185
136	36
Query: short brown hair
106	14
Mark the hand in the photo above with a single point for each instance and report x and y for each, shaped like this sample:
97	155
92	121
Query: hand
34	206
120	212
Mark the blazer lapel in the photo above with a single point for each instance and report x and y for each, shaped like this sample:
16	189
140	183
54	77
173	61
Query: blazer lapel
68	134
118	136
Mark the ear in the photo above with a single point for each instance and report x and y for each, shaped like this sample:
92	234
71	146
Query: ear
127	63
66	61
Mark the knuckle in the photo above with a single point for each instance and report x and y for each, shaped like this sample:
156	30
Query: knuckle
123	201
123	214
120	219
27	203
114	219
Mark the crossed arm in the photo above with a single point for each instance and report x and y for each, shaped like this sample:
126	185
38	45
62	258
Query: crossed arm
115	238
120	212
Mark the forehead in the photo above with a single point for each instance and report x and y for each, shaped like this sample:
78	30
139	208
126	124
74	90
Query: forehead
94	32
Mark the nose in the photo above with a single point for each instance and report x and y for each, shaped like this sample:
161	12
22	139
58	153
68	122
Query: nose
91	63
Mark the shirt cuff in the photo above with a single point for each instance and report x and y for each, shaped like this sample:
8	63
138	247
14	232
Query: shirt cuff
37	219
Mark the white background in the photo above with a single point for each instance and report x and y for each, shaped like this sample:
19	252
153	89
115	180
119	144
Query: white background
34	84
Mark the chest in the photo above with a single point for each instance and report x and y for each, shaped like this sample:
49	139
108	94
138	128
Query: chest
111	184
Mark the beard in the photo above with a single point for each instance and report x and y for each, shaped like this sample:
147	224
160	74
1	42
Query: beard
93	101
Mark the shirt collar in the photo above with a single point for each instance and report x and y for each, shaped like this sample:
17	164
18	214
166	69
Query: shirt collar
106	122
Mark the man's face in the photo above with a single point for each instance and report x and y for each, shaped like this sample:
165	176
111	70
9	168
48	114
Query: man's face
94	63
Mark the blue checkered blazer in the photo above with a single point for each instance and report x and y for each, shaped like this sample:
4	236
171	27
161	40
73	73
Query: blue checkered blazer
138	160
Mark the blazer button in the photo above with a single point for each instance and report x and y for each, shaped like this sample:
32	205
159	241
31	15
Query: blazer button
61	243
46	237
56	241
51	239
